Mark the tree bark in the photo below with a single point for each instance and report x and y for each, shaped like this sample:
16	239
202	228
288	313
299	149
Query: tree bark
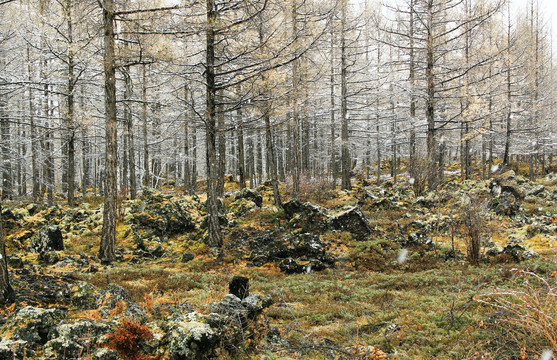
214	236
7	294
345	155
241	151
108	239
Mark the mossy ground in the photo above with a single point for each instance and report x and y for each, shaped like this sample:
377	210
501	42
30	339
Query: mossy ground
423	308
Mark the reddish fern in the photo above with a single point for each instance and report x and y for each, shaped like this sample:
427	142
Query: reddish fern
127	340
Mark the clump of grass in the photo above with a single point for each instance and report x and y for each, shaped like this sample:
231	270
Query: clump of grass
526	317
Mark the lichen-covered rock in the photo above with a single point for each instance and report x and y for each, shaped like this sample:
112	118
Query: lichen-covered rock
353	221
241	207
106	354
10	349
250	194
189	340
34	325
72	340
48	239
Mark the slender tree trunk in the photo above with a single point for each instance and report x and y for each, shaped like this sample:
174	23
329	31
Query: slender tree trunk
241	153
430	98
377	121
508	126
147	174
221	137
5	130
214	236
412	151
7	294
193	180
296	169
334	161
33	130
108	239
186	173
345	155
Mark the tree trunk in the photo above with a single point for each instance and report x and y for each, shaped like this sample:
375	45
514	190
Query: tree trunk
221	152
108	239
33	130
296	166
334	161
508	124
241	153
7	294
69	118
214	236
345	155
147	174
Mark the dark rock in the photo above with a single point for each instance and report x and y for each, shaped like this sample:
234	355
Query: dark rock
162	214
308	217
518	252
15	262
49	239
187	257
239	286
250	194
32	209
48	258
505	204
156	252
291	266
353	221
299	247
417	239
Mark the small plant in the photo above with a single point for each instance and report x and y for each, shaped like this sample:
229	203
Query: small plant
128	339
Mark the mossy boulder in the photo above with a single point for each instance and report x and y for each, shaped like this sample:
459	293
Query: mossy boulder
305	216
250	194
162	214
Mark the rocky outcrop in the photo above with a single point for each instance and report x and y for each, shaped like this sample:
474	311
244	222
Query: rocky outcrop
354	221
161	214
295	253
48	239
250	194
305	216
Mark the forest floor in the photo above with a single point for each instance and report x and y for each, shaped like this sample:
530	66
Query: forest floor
373	273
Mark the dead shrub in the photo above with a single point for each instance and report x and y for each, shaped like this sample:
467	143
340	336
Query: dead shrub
473	218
